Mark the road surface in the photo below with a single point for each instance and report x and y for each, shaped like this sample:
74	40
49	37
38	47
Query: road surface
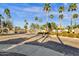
35	45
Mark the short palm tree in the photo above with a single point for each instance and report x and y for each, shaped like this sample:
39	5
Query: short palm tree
38	20
25	26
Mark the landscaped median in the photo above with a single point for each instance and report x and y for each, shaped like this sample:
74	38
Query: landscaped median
74	42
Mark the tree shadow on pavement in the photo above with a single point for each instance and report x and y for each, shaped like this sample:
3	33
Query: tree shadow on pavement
11	54
68	50
16	41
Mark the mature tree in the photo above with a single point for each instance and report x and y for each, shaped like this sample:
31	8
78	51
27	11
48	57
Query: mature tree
26	25
72	7
61	16
8	21
7	12
75	16
61	9
38	19
9	25
47	9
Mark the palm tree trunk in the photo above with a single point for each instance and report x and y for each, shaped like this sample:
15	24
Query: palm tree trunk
71	25
47	21
75	22
60	23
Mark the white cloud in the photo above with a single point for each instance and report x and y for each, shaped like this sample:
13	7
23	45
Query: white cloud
33	9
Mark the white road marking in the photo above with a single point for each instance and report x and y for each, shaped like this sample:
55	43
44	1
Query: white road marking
15	45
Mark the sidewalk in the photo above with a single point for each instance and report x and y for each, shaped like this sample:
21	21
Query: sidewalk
74	42
8	37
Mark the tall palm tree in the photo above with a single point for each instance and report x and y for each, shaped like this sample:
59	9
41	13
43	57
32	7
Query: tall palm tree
8	21
61	9
75	16
7	12
47	8
61	16
72	7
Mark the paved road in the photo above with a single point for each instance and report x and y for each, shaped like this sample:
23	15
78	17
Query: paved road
36	46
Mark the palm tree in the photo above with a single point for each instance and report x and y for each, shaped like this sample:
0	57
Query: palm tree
72	7
47	8
1	22
75	16
51	16
7	12
25	26
61	9
61	16
8	22
38	20
9	25
53	24
43	27
32	26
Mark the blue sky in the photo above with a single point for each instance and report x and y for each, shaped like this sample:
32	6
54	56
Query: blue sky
22	11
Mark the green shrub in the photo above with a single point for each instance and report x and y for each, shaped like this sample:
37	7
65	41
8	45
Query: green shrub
66	34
